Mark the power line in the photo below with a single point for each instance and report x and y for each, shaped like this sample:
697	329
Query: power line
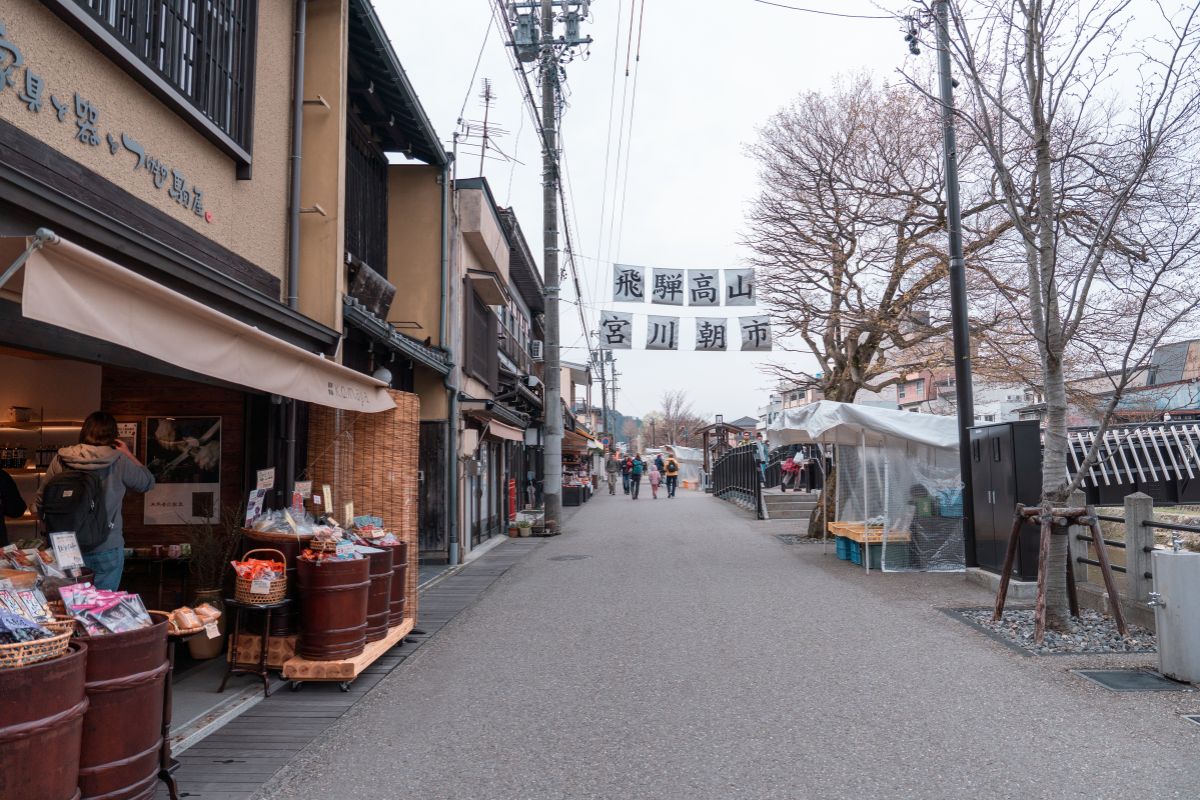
637	68
823	13
487	33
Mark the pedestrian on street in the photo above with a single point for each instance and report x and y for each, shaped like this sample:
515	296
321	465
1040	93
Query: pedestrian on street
627	473
612	468
637	467
791	471
672	473
658	462
763	453
655	478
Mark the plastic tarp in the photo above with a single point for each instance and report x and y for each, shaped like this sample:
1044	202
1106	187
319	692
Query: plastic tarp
691	463
831	422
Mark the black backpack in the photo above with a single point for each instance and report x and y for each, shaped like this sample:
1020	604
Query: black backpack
74	501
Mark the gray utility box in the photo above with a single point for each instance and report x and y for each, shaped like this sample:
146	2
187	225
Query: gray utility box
1177	613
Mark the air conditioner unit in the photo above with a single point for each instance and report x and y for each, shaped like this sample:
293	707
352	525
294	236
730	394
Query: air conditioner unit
537	349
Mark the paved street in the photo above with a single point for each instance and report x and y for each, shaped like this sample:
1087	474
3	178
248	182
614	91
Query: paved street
676	649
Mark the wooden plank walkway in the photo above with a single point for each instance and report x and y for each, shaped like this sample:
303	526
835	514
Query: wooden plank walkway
234	762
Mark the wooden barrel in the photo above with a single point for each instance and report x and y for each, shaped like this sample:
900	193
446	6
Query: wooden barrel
379	596
291	547
41	726
123	727
399	584
333	608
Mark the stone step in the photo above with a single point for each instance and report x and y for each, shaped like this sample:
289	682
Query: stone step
789	513
788	502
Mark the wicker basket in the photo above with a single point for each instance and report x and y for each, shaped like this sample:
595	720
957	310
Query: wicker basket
22	654
319	546
278	589
277	536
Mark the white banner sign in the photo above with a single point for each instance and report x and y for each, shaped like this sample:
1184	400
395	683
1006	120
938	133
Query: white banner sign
668	287
739	287
616	331
712	333
756	333
629	283
704	287
662	333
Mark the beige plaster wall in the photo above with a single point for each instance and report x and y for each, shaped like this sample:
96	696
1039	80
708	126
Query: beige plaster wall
482	233
415	249
248	217
429	387
322	237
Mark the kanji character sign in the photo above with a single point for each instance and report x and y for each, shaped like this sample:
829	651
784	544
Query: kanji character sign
756	333
739	287
629	283
616	331
711	333
704	287
662	333
668	287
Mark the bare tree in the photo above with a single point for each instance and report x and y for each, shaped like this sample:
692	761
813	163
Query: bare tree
848	235
1089	118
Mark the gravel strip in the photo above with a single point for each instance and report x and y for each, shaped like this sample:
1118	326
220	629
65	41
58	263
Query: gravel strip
1093	633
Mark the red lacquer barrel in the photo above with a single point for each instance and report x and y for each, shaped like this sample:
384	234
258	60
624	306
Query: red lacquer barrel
122	730
399	584
41	726
379	596
333	608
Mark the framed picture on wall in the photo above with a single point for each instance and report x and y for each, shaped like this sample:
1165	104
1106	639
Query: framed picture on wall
184	453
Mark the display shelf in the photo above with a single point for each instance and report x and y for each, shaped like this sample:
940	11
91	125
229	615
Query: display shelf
9	425
299	670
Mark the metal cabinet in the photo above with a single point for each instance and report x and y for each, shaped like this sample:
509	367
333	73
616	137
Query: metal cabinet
1006	469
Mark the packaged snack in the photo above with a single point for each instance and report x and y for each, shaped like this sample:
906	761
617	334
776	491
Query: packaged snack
207	613
185	619
15	629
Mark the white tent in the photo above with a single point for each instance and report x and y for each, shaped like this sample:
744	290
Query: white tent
831	422
899	491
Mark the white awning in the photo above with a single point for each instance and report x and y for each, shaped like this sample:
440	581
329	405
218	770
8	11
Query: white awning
76	289
501	431
844	423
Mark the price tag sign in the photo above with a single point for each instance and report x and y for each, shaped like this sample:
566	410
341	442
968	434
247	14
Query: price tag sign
212	630
266	479
255	506
66	550
304	489
348	510
327	496
344	549
316	498
297	504
260	586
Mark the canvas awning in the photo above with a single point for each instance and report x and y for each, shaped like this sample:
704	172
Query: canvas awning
506	432
74	288
844	423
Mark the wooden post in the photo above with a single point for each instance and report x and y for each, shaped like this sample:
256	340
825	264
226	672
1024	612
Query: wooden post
1010	556
1039	628
1139	509
1106	570
1077	498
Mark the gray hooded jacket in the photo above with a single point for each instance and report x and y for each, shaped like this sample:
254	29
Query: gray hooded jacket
117	472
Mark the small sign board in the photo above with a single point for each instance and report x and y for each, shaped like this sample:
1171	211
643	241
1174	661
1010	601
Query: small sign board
66	550
266	478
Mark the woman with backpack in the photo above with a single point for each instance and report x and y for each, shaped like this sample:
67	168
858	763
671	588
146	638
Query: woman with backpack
635	475
84	490
672	473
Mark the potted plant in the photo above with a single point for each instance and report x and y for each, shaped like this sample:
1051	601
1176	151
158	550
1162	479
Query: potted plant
214	545
524	527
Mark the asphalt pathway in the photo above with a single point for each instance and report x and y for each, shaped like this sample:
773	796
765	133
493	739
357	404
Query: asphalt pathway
676	649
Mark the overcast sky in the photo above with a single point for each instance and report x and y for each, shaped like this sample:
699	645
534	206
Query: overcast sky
709	75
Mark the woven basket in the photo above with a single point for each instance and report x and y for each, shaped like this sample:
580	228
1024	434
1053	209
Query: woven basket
276	536
322	546
22	654
278	589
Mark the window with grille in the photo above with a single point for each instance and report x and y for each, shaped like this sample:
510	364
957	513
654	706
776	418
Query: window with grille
203	50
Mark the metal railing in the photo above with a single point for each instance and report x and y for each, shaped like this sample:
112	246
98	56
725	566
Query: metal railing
736	477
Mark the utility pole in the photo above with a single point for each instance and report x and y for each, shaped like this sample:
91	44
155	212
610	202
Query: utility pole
599	358
552	441
958	280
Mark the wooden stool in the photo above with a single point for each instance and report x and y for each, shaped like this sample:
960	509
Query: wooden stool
234	668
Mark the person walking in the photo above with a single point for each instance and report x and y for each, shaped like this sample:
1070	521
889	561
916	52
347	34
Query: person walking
671	470
791	471
612	468
658	462
102	455
636	469
655	478
763	453
626	472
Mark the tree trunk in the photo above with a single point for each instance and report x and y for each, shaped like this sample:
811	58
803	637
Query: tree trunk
825	503
1054	470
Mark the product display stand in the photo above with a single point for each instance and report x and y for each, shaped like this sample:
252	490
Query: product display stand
343	671
234	667
166	764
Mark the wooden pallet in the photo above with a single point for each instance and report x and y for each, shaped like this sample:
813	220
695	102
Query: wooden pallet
298	668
